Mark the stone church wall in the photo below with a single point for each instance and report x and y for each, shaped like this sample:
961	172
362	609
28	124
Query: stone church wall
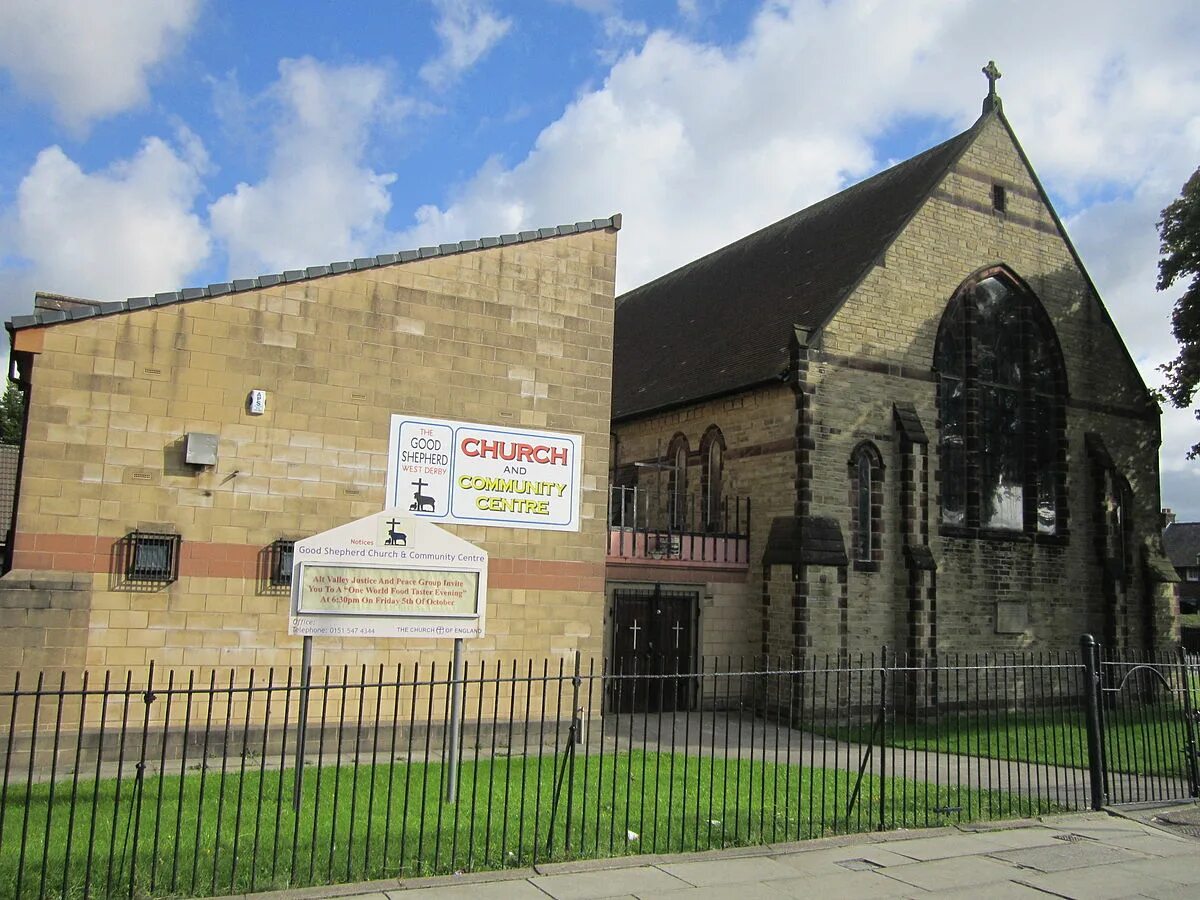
515	335
878	350
759	463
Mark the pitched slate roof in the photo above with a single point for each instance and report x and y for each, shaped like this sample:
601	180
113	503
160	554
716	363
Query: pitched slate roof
74	308
1181	541
723	322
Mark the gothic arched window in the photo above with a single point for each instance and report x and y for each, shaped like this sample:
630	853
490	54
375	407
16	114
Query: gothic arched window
1118	525
677	456
866	505
1001	399
712	461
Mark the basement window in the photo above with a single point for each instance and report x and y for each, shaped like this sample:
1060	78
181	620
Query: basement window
152	558
282	556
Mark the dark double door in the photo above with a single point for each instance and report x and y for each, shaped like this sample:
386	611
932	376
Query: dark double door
654	650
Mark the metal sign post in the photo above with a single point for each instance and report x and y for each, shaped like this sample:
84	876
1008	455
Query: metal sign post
456	696
388	575
302	725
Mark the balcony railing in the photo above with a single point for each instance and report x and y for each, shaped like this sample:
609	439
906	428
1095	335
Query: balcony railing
644	526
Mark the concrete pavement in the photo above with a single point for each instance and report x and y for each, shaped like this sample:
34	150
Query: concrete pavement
1092	855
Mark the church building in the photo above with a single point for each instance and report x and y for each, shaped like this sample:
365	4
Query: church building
899	417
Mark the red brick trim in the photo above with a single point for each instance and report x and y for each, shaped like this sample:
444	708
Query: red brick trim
87	553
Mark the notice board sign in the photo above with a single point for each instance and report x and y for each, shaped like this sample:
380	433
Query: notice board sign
388	575
469	474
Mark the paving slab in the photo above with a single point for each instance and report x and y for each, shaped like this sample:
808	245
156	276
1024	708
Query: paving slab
843	886
1180	869
485	890
997	891
1000	890
729	871
1175	892
1066	856
754	890
961	872
1023	838
636	880
829	862
1156	844
947	846
1099	883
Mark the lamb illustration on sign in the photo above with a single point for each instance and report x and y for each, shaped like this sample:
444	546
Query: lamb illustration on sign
395	538
388	575
421	502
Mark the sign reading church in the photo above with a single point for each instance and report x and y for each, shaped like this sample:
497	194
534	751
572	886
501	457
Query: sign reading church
388	575
469	474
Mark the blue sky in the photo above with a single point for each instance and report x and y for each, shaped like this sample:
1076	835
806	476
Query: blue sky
150	145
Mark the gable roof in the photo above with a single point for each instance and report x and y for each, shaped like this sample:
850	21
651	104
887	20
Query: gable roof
724	321
57	308
1181	541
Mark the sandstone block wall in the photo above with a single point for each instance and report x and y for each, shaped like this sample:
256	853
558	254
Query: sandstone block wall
759	463
515	335
890	323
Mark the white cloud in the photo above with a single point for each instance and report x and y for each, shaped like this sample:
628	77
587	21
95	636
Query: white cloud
125	231
468	30
89	59
695	144
318	200
699	144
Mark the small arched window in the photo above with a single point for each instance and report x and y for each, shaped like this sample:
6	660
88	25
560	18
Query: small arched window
866	506
677	455
1118	524
1001	404
712	456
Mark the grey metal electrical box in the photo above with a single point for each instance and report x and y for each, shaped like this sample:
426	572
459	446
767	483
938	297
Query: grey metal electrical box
200	449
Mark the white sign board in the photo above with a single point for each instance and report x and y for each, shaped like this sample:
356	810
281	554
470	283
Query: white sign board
388	575
465	474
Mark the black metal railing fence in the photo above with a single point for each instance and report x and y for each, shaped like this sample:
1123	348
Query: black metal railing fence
643	523
187	785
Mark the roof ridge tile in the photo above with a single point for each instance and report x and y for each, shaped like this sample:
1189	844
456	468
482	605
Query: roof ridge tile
291	276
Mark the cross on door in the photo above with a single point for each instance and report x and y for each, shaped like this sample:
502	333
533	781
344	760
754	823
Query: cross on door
678	629
635	629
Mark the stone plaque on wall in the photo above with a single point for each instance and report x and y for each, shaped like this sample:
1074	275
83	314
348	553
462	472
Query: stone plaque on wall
1012	617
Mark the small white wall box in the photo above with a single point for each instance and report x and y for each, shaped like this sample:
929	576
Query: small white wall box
256	403
200	449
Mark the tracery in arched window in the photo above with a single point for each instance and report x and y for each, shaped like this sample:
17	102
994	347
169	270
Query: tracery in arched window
712	456
677	456
866	504
1002	389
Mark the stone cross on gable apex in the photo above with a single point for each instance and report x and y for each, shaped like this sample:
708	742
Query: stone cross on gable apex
992	100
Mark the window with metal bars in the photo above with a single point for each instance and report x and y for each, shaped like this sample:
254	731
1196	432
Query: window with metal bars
281	559
152	557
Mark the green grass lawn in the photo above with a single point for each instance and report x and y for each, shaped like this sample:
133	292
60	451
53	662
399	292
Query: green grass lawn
218	835
1142	740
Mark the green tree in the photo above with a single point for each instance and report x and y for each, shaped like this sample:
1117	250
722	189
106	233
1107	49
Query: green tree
1179	229
12	414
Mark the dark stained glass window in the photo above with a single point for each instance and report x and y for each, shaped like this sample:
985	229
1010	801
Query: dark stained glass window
863	537
866	506
1001	390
